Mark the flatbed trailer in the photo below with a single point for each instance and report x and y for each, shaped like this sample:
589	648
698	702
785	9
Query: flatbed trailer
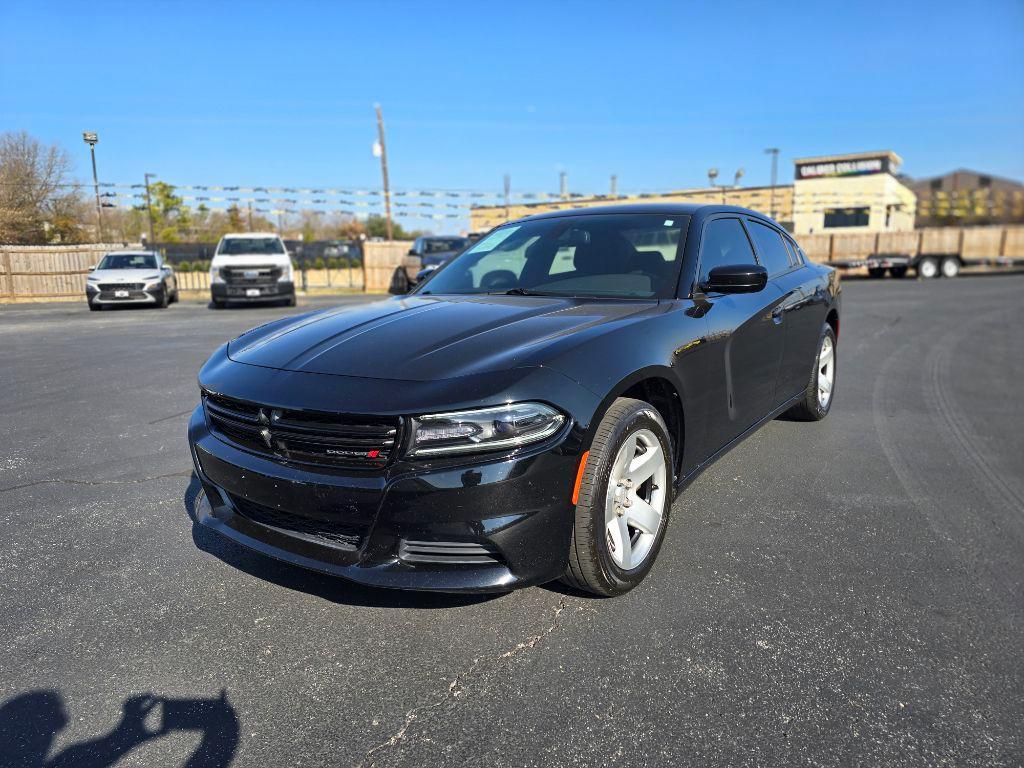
927	252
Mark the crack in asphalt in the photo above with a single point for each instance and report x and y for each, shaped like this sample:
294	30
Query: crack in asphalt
458	686
184	473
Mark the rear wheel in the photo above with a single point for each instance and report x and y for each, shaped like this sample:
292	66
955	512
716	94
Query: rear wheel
624	498
876	272
950	267
928	268
818	396
898	272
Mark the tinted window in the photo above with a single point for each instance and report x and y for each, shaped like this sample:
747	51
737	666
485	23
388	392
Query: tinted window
725	242
846	217
772	251
613	255
237	246
128	261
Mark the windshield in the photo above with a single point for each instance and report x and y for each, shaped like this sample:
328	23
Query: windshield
237	246
434	245
128	261
606	255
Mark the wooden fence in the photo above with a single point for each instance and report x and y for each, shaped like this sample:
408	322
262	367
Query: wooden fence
969	243
48	271
380	259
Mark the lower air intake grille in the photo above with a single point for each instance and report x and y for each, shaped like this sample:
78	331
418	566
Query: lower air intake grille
304	436
334	534
446	553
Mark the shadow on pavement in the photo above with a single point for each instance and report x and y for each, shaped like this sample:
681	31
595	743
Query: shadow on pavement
31	722
331	588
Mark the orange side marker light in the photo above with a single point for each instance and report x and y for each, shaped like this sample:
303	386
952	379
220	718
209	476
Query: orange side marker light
579	476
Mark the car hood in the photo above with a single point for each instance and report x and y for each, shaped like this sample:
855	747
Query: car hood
125	275
430	338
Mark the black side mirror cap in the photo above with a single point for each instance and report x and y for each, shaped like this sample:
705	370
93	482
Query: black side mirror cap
736	278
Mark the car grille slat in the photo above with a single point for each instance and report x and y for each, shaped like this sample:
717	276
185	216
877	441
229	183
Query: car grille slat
315	438
264	275
447	553
121	286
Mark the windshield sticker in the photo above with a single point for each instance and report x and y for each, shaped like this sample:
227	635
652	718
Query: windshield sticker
669	222
493	240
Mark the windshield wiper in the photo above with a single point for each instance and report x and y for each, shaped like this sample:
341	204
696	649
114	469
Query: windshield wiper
518	292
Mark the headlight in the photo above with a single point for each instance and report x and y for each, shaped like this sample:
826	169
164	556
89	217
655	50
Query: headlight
92	279
286	274
215	275
486	429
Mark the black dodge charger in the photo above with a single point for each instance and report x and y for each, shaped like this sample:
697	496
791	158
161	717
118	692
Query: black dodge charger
527	413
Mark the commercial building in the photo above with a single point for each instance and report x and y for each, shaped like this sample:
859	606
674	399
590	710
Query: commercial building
965	197
856	192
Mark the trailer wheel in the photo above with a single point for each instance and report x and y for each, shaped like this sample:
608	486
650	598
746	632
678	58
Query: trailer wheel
898	272
876	272
950	267
928	268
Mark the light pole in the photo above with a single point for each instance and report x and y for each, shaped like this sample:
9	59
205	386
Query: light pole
92	139
149	207
381	150
508	191
774	152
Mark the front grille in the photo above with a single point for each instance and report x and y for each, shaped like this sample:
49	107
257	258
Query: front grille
312	437
132	296
121	286
447	553
335	534
250	276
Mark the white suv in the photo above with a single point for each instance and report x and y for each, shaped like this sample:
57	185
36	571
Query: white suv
251	267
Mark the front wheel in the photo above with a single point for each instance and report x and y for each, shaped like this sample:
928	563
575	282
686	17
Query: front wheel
623	503
817	398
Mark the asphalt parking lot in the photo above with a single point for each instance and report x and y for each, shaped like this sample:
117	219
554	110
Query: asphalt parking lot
846	592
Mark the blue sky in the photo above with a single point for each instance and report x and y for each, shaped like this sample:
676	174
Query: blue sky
258	93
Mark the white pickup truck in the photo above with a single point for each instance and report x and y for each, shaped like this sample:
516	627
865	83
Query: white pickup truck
251	267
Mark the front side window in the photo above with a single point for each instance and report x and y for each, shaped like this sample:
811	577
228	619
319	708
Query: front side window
599	255
128	261
724	243
435	245
772	251
238	246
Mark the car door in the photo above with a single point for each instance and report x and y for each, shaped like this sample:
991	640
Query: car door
799	319
745	337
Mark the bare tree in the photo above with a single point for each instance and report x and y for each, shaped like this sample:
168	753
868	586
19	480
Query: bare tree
36	206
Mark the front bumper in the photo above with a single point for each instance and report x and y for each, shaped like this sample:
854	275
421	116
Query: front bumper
359	524
138	297
270	291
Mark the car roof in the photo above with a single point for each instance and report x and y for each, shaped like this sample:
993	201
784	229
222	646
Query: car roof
131	253
249	235
678	209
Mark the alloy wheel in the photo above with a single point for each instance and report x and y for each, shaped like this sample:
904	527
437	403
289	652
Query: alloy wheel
826	371
635	500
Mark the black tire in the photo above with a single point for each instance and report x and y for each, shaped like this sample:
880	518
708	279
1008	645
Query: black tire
218	304
810	407
876	272
163	300
400	284
291	301
898	272
928	268
591	566
950	267
95	307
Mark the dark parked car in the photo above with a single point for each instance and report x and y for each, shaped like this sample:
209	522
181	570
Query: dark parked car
529	412
428	253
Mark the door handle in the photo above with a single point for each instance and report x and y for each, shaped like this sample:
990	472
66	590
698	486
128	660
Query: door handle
777	315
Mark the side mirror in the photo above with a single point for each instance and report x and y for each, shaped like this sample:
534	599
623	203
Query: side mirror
736	278
92	267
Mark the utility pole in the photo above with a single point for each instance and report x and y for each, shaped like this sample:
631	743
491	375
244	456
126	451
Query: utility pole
508	191
149	208
615	185
563	184
92	139
774	152
249	205
384	168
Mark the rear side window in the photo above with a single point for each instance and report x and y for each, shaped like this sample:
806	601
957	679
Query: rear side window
773	252
725	242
